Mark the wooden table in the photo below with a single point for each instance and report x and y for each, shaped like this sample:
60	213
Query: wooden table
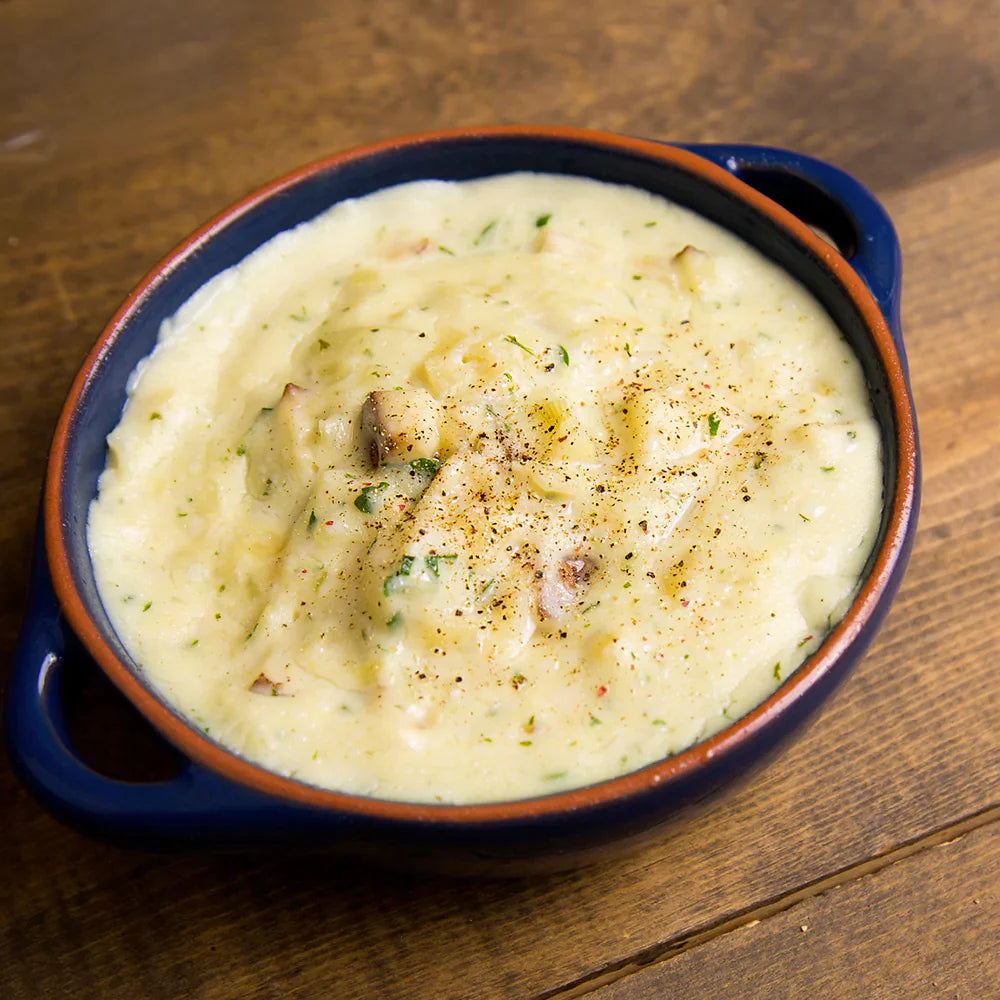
865	862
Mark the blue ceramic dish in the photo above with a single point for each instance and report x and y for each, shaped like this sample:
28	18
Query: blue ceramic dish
762	195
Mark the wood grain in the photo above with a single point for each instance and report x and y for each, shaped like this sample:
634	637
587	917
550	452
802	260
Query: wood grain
858	940
124	125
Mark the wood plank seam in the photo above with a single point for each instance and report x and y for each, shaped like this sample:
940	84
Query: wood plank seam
667	950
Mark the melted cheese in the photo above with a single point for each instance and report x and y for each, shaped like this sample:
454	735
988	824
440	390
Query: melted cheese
617	478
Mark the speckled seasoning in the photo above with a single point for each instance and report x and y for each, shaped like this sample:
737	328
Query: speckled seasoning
470	492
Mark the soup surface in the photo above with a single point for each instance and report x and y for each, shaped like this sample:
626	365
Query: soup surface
474	491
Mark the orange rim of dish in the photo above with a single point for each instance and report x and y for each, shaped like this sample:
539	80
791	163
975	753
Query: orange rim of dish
661	774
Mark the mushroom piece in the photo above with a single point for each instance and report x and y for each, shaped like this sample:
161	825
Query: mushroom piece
398	425
264	685
557	592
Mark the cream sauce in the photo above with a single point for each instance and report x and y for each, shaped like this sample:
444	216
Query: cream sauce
618	477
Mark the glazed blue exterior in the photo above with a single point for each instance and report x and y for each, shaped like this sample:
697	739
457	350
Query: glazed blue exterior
199	807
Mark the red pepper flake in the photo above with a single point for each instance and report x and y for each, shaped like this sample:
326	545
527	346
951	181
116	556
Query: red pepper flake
602	691
329	522
685	602
706	385
402	506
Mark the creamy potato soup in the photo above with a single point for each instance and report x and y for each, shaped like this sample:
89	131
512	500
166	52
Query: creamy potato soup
474	491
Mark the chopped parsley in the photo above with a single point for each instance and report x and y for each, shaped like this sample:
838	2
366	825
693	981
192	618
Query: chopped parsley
367	501
486	230
713	425
432	562
312	521
425	466
564	354
542	220
511	339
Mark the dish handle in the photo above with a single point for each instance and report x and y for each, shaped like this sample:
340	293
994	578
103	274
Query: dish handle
832	201
193	806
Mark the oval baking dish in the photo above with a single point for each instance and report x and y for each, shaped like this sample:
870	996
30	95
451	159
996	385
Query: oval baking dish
221	798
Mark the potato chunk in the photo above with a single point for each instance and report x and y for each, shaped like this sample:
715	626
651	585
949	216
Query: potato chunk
398	425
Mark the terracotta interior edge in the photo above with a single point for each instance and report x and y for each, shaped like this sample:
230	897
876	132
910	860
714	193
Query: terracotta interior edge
659	774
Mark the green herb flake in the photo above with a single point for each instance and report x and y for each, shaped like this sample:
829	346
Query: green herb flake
443	249
564	354
241	450
299	317
487	587
595	721
526	743
431	562
394	583
147	605
312	521
155	415
542	220
555	775
826	468
852	434
484	232
194	642
425	466
777	671
804	518
511	339
367	501
649	225
395	621
713	425
322	344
